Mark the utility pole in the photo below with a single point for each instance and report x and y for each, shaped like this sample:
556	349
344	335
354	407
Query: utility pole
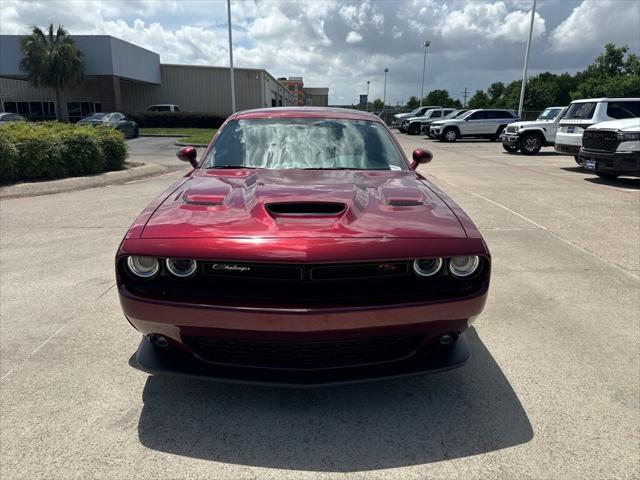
233	86
425	44
466	94
526	60
368	82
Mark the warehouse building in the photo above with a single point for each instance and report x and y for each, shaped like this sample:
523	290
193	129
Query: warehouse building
120	76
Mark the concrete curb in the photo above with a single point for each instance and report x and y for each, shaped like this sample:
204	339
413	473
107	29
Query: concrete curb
182	144
167	135
32	189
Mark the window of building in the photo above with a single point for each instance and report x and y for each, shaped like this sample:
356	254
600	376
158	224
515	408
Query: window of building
79	110
33	110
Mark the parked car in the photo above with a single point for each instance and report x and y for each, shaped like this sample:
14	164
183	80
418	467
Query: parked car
415	125
6	117
116	120
611	149
530	137
454	114
303	248
163	107
399	117
479	123
581	114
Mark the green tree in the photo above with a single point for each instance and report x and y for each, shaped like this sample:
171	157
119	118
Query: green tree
52	60
414	102
496	94
479	100
441	97
377	104
611	74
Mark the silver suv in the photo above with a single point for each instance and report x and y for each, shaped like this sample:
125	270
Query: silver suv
414	125
480	123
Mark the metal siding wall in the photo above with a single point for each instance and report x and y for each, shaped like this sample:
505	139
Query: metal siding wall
22	91
196	89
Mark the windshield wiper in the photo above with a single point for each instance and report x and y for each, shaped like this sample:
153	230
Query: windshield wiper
230	166
341	168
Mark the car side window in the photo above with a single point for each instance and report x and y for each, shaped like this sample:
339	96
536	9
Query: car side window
436	114
621	110
164	108
478	116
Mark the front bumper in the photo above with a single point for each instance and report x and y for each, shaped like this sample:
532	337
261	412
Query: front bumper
510	139
565	149
154	361
435	131
620	163
424	323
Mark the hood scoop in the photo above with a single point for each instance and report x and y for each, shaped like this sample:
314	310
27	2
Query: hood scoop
203	200
305	209
404	202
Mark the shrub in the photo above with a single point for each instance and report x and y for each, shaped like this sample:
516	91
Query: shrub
114	148
8	159
54	150
176	119
81	151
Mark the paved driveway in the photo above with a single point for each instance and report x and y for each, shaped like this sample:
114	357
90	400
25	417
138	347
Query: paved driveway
551	390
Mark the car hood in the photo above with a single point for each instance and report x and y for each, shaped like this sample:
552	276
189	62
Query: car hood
304	204
536	123
625	125
402	115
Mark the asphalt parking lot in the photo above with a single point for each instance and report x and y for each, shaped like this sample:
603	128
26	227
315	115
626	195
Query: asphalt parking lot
552	389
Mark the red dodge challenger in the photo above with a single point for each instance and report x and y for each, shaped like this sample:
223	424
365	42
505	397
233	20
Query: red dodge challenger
302	249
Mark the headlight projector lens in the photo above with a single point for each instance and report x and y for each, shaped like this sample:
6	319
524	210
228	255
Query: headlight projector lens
143	267
427	267
464	266
181	268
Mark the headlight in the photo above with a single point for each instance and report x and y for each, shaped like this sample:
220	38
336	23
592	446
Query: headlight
628	136
464	266
181	268
427	267
143	267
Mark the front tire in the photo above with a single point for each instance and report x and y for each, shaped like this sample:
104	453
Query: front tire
449	135
414	129
510	148
530	143
577	159
136	132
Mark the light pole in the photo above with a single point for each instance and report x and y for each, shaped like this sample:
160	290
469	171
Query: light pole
384	95
526	61
425	44
233	86
368	82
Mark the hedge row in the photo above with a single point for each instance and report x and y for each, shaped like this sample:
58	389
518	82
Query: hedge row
176	119
30	151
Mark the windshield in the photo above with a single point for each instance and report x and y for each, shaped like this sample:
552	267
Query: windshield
580	111
466	114
549	114
96	116
305	143
456	113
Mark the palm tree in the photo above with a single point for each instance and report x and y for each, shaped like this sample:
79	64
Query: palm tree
52	60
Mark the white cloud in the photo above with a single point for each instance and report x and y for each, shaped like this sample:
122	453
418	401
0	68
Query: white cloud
353	37
594	23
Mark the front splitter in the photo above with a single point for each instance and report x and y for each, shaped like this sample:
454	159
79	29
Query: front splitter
158	362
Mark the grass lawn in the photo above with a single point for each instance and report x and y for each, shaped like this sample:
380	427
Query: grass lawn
191	135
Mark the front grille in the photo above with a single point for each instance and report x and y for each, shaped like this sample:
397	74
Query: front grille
604	141
304	355
306	286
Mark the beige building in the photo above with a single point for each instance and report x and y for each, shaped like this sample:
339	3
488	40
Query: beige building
120	76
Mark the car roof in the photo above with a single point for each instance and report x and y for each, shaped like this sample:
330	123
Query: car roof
607	99
163	105
306	112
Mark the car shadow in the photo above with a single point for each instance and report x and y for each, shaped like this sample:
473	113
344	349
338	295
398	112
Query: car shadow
388	424
620	182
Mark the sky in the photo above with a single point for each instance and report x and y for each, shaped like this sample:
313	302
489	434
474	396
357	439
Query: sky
344	44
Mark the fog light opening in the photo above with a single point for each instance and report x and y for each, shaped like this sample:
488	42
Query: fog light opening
449	338
159	341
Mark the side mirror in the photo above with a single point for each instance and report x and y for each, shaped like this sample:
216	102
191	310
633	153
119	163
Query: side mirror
188	154
420	156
